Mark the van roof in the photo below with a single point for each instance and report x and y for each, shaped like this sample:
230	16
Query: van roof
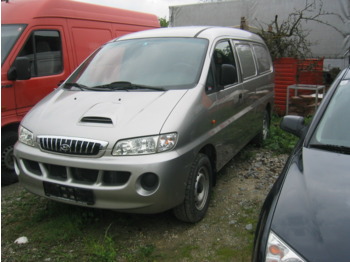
209	32
23	11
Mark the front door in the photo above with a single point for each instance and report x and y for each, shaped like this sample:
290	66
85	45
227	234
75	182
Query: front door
229	100
49	68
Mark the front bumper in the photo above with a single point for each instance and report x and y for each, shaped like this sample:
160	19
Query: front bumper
114	182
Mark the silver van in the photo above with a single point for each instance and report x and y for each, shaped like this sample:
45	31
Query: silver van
147	121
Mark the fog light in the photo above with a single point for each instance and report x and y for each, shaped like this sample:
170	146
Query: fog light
149	181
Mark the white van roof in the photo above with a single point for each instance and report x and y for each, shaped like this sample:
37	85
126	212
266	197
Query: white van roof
208	32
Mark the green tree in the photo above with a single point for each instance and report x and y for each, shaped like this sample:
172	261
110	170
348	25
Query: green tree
163	22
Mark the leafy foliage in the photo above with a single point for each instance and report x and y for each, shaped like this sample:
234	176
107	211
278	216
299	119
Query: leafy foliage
279	141
163	22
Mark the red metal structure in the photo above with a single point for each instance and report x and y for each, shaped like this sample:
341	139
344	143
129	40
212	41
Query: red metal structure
291	71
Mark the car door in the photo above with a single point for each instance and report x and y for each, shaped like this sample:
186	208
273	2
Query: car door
250	80
229	100
49	67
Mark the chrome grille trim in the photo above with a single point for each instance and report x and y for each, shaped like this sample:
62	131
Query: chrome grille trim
72	145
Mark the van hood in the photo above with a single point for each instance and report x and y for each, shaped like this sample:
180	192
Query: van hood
107	116
313	211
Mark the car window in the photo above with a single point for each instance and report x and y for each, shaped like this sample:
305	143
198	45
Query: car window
222	60
263	58
43	48
334	127
246	59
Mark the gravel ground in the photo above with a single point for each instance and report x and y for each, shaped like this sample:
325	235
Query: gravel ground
227	228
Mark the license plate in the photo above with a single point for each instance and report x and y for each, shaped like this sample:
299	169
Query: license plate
80	195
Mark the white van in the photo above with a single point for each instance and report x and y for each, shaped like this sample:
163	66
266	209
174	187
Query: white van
146	122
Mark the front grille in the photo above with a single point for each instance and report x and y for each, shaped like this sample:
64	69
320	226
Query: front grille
56	172
71	146
76	176
84	175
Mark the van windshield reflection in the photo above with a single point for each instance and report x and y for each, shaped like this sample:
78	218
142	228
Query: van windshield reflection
155	63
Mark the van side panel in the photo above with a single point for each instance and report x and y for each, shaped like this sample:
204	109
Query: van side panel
7	96
123	29
87	36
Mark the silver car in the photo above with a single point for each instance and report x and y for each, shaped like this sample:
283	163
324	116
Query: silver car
147	121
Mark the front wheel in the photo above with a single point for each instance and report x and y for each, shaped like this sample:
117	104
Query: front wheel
8	176
198	191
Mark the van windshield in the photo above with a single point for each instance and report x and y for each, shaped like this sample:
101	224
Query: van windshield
166	63
9	36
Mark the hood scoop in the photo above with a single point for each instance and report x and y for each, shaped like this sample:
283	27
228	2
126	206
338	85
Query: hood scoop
96	120
105	113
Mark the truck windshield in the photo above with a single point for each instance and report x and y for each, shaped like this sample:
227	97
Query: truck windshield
163	63
9	36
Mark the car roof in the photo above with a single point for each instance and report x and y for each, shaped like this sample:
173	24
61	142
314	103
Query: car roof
208	32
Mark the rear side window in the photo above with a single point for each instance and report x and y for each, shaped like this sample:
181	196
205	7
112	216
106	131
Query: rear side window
246	59
263	58
43	48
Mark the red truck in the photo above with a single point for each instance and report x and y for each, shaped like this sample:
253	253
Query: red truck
42	42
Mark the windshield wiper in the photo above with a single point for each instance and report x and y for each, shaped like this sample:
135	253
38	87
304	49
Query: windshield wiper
333	148
124	85
72	84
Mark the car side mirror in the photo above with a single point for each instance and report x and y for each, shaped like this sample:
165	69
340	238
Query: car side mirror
228	74
20	69
294	125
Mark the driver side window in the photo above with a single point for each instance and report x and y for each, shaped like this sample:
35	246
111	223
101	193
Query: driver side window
43	48
223	70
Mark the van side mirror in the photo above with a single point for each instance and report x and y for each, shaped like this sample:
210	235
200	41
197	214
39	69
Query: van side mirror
228	74
294	125
20	69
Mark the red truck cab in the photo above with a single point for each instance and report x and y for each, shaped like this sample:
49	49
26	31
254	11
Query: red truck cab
42	42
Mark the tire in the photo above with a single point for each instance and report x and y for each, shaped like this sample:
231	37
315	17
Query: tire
265	130
8	175
198	191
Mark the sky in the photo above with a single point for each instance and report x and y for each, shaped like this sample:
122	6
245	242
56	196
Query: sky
158	7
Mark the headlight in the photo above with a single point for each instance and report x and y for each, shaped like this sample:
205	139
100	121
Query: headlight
278	251
25	136
145	145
